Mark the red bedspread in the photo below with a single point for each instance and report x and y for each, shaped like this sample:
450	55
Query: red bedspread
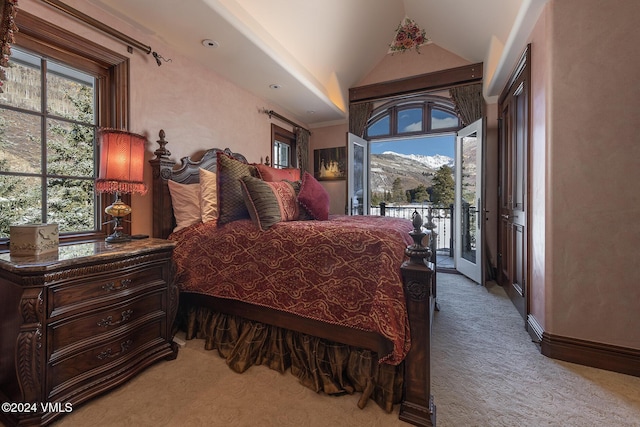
344	271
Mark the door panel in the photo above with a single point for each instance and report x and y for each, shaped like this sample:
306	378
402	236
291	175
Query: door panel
513	190
468	202
358	175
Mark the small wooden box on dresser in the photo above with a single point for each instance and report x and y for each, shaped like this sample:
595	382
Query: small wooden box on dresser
80	322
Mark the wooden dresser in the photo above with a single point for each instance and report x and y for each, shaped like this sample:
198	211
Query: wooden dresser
81	321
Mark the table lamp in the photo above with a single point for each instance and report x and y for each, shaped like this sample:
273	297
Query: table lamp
121	172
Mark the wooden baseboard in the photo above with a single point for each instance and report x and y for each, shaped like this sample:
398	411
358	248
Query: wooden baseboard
597	355
535	329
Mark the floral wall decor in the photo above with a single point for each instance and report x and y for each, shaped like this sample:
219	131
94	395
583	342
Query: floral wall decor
8	10
408	36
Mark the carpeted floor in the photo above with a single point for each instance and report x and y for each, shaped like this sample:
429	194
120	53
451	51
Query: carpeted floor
486	372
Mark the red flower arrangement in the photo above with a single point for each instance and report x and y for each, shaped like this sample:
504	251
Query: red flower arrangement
408	36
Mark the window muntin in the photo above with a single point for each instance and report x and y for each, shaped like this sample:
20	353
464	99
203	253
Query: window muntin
58	159
420	115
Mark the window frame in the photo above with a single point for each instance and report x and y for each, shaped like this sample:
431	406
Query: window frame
426	103
283	135
111	71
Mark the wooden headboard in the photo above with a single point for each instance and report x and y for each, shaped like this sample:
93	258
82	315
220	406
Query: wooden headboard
164	169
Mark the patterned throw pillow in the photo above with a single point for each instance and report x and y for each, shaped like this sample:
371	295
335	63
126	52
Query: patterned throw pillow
314	198
231	204
269	174
269	202
303	215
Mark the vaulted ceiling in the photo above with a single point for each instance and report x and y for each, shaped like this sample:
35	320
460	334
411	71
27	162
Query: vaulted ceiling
315	50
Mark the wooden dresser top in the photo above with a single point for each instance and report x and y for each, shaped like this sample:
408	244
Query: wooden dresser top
81	253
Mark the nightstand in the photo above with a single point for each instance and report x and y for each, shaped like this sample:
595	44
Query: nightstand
80	322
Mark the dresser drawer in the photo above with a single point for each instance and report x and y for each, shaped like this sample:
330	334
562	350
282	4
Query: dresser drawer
81	293
131	311
105	358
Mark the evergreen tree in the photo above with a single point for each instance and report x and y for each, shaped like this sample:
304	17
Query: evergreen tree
397	193
443	187
419	194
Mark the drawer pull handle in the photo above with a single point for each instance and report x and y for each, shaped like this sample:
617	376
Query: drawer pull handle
107	354
111	286
108	321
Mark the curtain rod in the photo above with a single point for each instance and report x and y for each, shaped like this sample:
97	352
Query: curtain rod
284	119
106	29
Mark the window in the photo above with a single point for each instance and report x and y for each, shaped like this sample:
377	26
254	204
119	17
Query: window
283	148
47	149
416	116
59	90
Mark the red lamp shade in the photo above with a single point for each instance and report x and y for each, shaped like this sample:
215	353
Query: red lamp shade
121	162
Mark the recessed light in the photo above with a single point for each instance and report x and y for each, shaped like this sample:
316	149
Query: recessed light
210	43
311	112
274	86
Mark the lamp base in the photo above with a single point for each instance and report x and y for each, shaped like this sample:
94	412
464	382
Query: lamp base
117	237
118	210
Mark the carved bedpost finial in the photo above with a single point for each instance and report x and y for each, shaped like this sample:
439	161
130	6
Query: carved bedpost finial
419	251
162	151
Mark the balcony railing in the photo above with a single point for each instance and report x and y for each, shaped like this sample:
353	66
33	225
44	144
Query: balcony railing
436	218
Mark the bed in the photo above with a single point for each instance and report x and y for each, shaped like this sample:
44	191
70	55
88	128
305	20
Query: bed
332	298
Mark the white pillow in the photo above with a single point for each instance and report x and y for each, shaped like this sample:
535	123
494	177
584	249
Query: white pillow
208	195
185	199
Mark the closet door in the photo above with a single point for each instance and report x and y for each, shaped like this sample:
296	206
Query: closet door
513	188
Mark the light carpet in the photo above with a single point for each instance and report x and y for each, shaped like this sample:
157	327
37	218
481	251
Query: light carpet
486	372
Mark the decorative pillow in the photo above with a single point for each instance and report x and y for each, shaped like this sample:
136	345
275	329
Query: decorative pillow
267	173
313	197
185	199
303	215
231	206
208	195
269	202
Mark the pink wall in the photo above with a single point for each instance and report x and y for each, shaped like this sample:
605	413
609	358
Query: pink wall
197	108
400	65
538	162
593	203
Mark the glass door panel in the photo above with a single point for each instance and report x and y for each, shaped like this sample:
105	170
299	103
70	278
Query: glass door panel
468	202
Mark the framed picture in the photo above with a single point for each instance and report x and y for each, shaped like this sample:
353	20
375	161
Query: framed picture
330	163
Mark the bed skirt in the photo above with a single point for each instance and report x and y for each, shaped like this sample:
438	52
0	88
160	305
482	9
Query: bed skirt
321	365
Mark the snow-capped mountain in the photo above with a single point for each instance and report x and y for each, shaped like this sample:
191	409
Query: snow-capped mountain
412	169
433	162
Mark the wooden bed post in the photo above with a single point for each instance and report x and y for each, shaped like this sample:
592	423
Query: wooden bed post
419	287
162	166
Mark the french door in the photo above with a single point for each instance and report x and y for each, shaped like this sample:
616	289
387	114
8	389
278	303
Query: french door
468	212
358	179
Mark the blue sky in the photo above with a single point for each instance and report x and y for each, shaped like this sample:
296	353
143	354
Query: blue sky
427	146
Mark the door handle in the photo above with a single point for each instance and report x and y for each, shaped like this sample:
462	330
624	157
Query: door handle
506	216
